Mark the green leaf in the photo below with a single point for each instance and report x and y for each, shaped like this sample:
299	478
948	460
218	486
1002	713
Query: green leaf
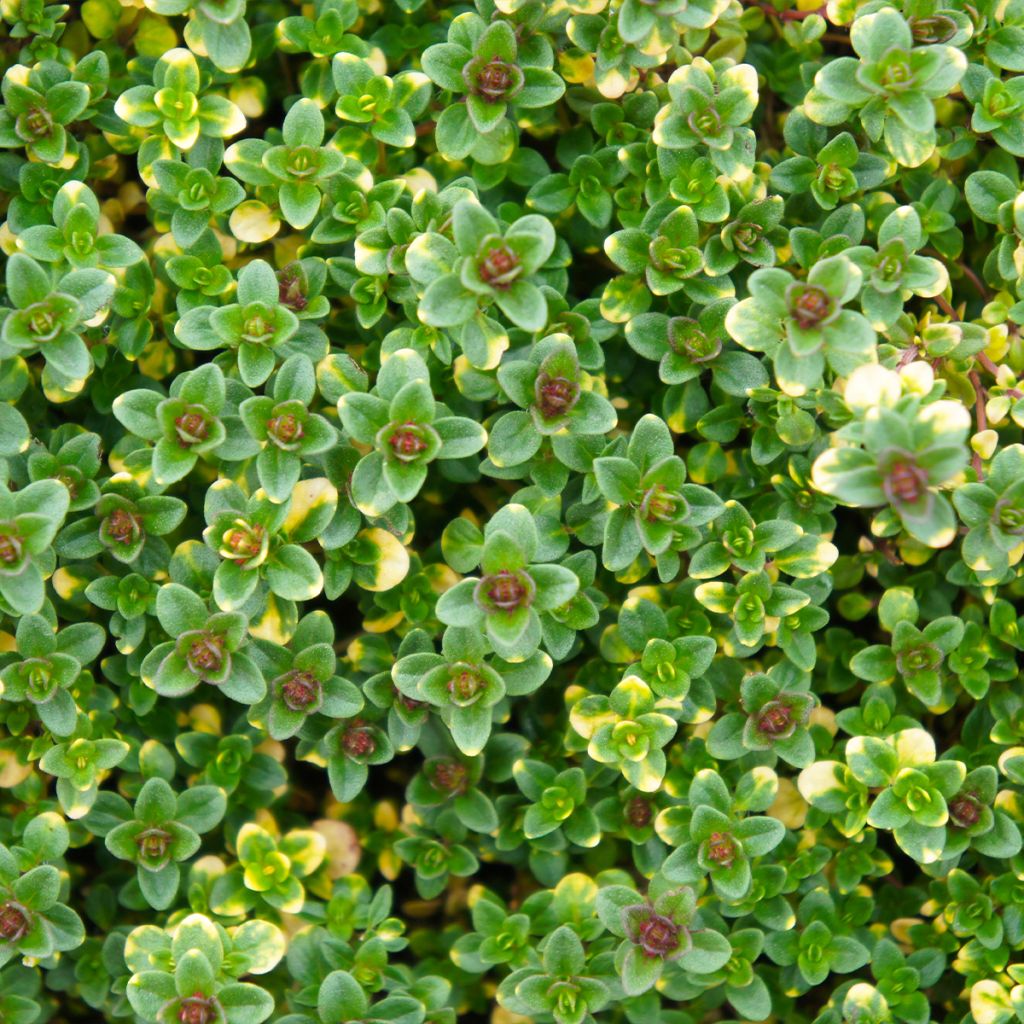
709	952
639	972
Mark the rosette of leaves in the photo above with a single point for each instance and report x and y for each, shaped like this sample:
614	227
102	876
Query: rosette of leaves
710	104
356	906
126	523
325	33
550	388
36	18
558	803
287	431
195	984
675	671
79	765
231	763
408	430
832	170
993	511
899	452
914	788
818	947
74	238
449	783
560	986
661	256
802	325
633	815
736	540
355	204
498	937
302	679
652	505
386	106
206	649
29	520
487	65
776	709
158	834
750	602
191	191
175	103
583	187
371	292
300	288
72	458
33	924
465	685
199	275
48	314
750	236
683	346
974	823
720	845
297	169
662	929
626	729
894	272
891	84
997	106
514	593
47	665
268	870
693	180
486	263
258	326
970	911
38	109
260	542
350	748
437	860
917	656
972	663
900	980
193	422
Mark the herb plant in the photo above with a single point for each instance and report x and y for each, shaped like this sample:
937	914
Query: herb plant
511	510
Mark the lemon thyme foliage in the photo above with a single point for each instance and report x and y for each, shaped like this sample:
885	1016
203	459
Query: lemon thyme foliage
511	510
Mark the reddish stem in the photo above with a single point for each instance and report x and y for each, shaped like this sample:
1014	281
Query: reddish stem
987	364
975	280
909	354
966	271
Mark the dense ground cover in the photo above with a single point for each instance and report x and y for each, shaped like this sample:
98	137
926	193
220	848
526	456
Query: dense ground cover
511	511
